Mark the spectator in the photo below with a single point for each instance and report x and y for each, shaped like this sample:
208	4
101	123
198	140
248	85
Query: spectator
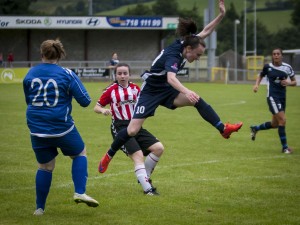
10	59
1	58
112	64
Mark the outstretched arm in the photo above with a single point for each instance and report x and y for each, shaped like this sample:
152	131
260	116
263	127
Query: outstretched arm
209	28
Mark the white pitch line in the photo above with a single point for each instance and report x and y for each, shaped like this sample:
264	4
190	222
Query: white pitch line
244	178
104	176
234	103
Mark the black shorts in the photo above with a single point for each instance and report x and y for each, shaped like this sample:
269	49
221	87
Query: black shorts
276	105
154	93
142	141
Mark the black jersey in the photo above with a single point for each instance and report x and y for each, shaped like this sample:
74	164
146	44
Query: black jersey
274	75
170	59
156	90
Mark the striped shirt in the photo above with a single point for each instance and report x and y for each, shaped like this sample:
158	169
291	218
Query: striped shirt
121	100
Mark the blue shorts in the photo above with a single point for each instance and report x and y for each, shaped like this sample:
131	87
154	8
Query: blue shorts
45	149
152	95
276	105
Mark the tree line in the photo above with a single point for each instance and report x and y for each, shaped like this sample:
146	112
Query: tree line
285	38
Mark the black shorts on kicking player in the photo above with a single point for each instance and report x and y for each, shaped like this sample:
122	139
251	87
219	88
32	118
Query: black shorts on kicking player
155	91
142	141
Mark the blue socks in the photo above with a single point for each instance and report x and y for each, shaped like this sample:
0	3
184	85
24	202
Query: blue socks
79	174
42	184
264	126
281	132
43	180
282	136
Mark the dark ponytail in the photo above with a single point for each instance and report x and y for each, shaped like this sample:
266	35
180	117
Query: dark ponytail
186	27
186	30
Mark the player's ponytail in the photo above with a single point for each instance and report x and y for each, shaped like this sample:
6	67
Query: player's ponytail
186	30
53	50
186	27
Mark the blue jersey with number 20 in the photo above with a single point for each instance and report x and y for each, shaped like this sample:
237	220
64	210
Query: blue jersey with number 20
49	89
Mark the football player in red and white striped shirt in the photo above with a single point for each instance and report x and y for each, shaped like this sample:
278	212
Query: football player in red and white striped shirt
122	96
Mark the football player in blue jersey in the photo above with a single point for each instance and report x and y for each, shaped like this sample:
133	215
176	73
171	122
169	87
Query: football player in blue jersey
279	76
49	89
161	87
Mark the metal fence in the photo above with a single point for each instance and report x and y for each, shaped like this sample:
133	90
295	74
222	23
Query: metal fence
197	71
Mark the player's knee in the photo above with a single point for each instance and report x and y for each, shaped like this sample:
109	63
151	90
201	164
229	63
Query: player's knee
83	153
137	158
161	148
132	131
281	121
47	166
158	149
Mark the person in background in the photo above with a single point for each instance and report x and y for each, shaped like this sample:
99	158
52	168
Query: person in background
10	59
112	64
122	95
1	58
161	87
279	76
49	90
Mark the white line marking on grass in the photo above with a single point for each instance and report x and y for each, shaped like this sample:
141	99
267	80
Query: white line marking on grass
244	178
104	176
234	103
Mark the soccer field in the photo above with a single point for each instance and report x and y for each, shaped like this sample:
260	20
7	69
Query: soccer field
202	178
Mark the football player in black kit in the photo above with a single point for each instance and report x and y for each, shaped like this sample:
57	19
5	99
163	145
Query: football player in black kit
277	73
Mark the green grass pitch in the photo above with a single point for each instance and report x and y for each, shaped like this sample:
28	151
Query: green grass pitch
202	178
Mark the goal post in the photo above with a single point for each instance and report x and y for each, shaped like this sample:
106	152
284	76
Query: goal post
219	75
254	66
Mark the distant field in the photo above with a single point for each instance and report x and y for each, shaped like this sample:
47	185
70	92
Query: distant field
202	178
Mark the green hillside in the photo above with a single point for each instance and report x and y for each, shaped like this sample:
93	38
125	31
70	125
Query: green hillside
270	19
273	20
49	7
